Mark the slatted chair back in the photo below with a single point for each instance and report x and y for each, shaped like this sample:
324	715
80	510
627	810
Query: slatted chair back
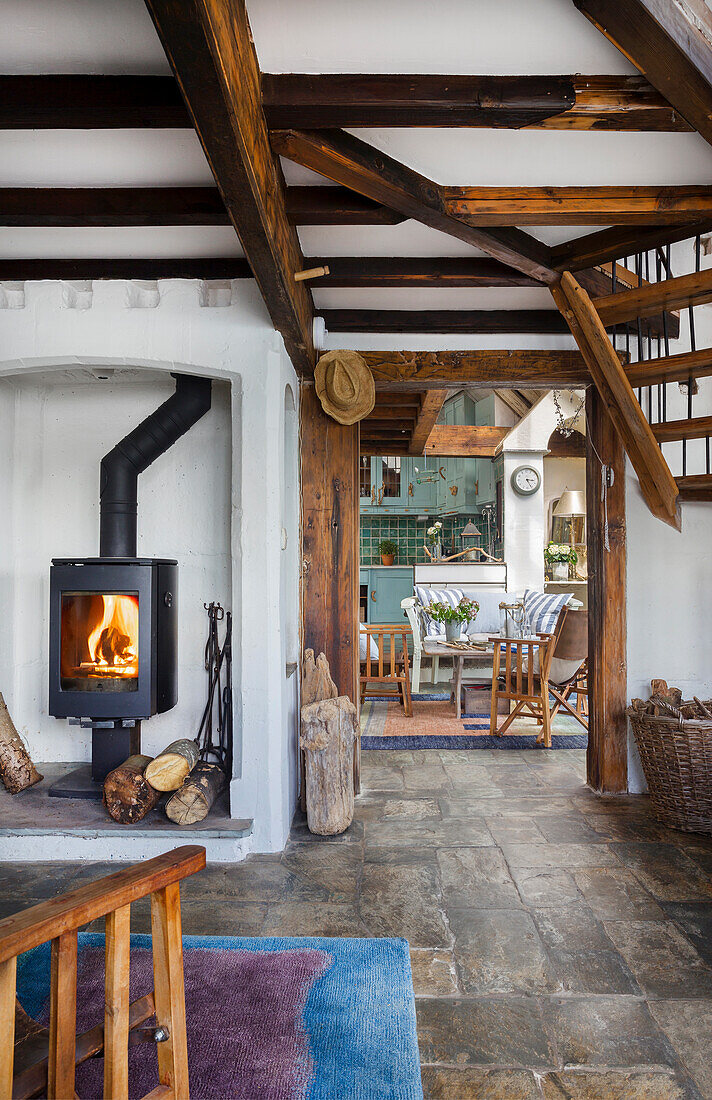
56	1052
521	676
390	671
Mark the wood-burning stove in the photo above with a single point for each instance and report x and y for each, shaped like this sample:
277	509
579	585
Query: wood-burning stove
113	619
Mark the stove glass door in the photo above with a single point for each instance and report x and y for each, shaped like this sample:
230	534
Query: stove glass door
99	641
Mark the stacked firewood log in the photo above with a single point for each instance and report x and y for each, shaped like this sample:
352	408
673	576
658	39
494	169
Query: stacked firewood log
134	788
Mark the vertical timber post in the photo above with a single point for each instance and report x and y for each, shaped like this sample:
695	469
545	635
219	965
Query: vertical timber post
607	757
330	544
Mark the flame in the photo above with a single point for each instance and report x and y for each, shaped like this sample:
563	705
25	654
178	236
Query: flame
113	643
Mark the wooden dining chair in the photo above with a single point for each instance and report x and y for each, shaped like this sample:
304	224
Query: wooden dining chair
33	1058
390	671
514	680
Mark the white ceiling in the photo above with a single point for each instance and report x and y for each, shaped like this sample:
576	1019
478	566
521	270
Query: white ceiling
452	36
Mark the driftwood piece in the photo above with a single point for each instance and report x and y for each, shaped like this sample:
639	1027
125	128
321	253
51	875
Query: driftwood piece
167	771
316	679
16	768
128	796
661	693
328	734
195	798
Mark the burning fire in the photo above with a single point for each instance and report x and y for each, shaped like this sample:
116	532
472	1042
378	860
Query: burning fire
113	643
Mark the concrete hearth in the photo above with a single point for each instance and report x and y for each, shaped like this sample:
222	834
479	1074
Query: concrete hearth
34	827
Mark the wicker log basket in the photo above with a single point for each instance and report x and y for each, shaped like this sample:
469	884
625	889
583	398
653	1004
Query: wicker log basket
674	739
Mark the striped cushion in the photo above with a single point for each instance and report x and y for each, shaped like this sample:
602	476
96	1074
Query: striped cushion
426	596
543	609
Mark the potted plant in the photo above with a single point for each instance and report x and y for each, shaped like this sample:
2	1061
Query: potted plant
388	549
434	535
454	618
560	557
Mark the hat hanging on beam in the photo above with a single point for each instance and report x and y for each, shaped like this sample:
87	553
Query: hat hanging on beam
344	385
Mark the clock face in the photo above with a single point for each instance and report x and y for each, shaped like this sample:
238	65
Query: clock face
525	480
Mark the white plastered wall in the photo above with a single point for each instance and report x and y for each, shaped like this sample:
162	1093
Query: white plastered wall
669	595
216	502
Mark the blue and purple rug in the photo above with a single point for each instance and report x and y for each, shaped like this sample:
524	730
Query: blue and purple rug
268	1019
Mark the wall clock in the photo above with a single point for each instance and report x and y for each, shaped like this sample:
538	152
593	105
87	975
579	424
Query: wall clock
525	480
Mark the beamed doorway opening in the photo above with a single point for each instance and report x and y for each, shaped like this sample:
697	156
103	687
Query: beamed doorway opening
341	540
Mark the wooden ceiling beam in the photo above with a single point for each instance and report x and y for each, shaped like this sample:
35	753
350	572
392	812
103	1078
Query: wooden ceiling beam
646	301
413	371
468	321
210	49
414	271
669	43
80	102
485	206
431	404
336	206
353	163
575	102
656	482
211	267
618	242
465	441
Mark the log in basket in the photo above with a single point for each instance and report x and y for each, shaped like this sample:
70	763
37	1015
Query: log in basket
675	746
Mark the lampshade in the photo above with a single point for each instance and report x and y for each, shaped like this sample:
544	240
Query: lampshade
571	503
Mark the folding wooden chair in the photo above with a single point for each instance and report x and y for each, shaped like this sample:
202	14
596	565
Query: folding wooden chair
391	673
515	681
33	1058
572	645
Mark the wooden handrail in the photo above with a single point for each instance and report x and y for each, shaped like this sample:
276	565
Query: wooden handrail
50	919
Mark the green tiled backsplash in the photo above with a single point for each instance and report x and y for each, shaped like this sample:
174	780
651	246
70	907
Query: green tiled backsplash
409	533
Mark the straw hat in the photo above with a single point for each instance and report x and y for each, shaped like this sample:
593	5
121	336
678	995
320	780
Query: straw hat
345	386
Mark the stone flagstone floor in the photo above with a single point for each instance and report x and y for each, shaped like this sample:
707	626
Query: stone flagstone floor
561	943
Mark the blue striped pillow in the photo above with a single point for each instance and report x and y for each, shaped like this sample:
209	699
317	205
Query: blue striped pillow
426	596
543	609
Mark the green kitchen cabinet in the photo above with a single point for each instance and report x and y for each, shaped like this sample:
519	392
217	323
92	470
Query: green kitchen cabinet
387	586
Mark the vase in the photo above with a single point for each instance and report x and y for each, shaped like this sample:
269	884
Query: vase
452	632
437	551
560	570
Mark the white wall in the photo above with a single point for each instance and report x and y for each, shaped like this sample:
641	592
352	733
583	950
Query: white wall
220	512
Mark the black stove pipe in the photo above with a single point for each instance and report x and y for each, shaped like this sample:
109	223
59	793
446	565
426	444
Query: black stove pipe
136	451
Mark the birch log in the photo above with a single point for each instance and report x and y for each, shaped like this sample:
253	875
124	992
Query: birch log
128	796
16	769
327	738
168	770
195	798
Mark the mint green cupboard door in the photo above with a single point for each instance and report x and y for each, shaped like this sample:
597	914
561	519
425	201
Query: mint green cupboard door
387	588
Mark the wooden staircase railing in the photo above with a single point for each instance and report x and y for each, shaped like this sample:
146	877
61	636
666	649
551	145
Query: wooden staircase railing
50	1058
695	487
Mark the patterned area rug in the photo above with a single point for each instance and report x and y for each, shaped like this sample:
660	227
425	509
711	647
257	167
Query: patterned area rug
434	726
268	1019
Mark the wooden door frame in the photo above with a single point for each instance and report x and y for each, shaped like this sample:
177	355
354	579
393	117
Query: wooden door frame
330	512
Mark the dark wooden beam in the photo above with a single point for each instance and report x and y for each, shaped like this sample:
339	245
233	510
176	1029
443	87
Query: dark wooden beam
695	487
210	49
646	301
216	267
334	100
431	404
444	320
579	205
669	43
620	241
336	206
124	206
406	271
92	206
412	371
607	753
69	102
351	162
462	441
656	482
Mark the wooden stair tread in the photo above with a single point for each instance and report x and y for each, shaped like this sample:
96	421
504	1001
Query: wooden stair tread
650	300
695	487
696	427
